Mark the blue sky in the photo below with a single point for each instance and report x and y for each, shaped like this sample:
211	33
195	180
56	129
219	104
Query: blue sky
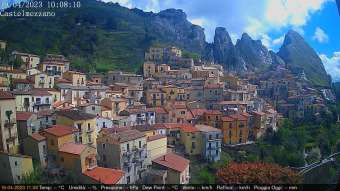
268	20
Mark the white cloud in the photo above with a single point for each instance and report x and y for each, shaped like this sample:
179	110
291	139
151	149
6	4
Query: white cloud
320	35
332	65
125	3
278	41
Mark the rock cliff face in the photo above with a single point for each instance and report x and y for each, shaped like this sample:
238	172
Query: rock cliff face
255	55
172	26
225	53
300	57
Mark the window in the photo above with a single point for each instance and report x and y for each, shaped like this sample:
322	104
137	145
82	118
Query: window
104	157
104	125
128	147
217	152
182	112
93	108
89	138
18	177
128	180
140	144
79	126
103	145
15	163
210	137
52	142
88	126
62	159
193	145
217	136
209	146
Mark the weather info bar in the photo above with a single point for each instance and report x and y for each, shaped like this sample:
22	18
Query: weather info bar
196	187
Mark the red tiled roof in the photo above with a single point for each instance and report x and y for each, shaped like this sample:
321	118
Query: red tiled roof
105	175
155	137
172	161
21	81
23	116
6	95
226	118
38	137
258	113
60	130
186	127
72	148
159	110
239	117
40	92
198	112
213	112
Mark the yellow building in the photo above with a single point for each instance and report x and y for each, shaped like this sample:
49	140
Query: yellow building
176	166
3	45
77	78
235	129
156	146
260	120
84	122
212	118
30	60
54	64
77	157
115	105
56	137
8	128
149	69
42	80
155	98
190	138
14	168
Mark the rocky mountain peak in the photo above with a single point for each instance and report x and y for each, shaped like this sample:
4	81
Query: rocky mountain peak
300	57
173	13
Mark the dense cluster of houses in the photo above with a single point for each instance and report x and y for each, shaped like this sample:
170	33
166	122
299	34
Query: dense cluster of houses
121	127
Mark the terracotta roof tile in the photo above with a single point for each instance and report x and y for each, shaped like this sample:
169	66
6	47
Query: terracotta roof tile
38	137
6	95
23	116
159	110
173	161
213	112
76	115
155	137
72	148
105	175
198	112
60	130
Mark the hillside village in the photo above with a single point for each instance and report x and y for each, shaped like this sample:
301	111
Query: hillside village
126	128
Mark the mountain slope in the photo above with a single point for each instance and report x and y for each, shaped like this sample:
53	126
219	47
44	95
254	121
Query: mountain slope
299	56
102	36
